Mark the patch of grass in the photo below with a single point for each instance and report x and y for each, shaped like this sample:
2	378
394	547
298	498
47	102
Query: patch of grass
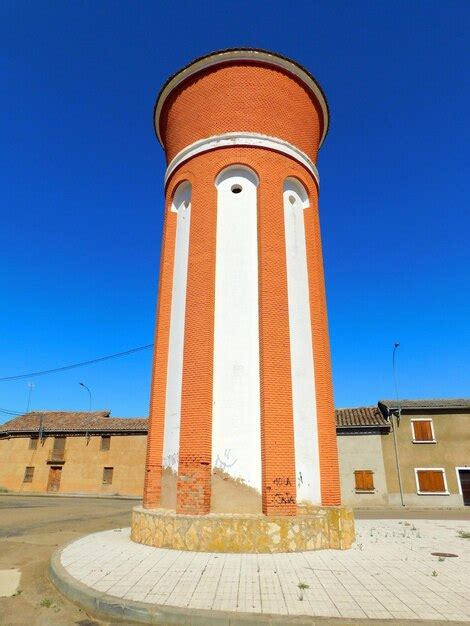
46	602
18	592
302	586
463	534
3	489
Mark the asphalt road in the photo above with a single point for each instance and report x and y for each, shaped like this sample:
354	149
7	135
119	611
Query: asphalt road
32	527
30	530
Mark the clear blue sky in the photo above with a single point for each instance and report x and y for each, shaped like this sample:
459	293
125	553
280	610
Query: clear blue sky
81	186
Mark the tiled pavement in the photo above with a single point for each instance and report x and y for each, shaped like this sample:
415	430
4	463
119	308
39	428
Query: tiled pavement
389	573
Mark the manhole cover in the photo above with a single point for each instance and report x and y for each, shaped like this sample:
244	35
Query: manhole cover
447	555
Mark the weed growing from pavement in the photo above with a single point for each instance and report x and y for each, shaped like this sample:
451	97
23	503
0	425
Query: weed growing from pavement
434	573
441	558
302	586
463	534
47	603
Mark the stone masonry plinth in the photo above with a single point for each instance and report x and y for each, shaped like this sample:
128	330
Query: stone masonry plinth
318	529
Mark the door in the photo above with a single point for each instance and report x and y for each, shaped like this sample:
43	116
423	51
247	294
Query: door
464	477
53	483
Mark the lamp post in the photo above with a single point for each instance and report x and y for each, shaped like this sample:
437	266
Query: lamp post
89	393
397	414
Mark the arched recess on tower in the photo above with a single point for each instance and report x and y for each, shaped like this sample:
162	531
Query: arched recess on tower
236	430
307	459
181	205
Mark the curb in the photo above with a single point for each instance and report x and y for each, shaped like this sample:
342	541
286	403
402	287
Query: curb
104	606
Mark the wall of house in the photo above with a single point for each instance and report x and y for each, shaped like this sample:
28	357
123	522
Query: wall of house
451	450
362	452
82	471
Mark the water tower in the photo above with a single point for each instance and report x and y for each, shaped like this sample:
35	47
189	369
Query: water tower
242	452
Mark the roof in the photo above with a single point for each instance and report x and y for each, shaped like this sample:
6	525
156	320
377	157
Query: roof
73	422
360	417
225	55
437	403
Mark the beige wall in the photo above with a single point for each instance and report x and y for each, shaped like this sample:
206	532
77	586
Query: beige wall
452	433
82	471
362	452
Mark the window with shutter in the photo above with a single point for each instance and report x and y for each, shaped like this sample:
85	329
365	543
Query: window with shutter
108	475
33	443
423	431
105	443
28	475
364	480
431	481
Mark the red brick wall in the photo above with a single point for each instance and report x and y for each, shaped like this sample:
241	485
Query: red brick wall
241	97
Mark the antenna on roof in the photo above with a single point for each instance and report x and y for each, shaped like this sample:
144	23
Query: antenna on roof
31	387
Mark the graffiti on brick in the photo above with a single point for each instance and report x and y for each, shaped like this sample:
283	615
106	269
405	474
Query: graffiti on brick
283	498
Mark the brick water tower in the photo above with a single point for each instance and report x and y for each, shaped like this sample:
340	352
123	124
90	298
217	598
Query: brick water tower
242	452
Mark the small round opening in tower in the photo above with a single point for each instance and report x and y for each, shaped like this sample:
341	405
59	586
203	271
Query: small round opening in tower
236	188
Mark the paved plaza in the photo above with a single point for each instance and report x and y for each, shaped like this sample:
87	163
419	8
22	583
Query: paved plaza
389	574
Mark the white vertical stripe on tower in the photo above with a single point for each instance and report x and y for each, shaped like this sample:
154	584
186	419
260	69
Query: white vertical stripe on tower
307	460
182	206
236	436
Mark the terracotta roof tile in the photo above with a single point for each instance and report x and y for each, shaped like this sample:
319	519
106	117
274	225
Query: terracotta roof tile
435	403
361	416
73	422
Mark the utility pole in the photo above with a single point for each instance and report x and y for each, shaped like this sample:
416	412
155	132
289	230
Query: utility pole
396	414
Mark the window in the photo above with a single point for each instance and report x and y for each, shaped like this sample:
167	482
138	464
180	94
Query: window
422	431
105	442
108	475
431	481
33	443
28	475
364	480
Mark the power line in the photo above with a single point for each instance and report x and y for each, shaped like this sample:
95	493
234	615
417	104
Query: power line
75	365
10	412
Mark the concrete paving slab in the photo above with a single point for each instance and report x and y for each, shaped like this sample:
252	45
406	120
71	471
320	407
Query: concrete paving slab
390	574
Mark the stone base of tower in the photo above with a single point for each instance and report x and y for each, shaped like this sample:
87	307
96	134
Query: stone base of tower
317	528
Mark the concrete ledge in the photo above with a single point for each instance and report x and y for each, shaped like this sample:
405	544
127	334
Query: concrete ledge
319	528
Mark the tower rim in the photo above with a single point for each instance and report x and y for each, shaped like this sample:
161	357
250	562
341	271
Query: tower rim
228	55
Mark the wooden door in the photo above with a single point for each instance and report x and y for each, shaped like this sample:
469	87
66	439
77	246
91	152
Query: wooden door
53	483
464	477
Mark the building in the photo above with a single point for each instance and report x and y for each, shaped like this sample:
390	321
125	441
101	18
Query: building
434	450
242	392
361	433
64	452
93	453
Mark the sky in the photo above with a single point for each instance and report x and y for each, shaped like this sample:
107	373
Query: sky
81	187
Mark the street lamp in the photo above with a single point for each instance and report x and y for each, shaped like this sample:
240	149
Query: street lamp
89	393
397	414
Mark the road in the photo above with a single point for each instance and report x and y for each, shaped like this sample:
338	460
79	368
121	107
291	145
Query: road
30	530
32	527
